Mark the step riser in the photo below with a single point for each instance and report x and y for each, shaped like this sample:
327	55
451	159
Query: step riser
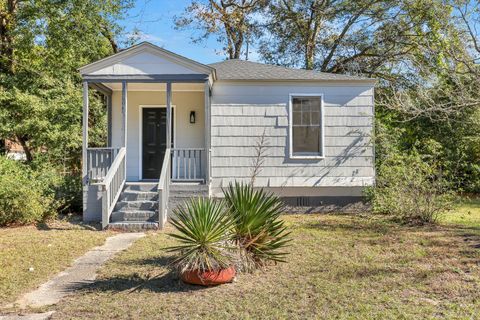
137	196
119	216
136	205
134	219
141	187
132	227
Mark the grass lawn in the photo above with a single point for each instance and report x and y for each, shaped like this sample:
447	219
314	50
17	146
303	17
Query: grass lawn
340	266
466	213
48	249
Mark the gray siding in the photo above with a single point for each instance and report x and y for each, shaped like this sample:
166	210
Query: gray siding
242	111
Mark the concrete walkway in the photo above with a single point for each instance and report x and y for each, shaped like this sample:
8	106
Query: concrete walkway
82	272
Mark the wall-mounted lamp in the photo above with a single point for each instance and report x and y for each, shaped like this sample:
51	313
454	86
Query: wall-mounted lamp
192	116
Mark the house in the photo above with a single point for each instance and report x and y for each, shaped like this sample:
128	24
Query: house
14	150
178	128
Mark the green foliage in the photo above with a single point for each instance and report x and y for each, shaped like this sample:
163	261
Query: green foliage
411	189
453	143
257	230
25	195
43	43
203	226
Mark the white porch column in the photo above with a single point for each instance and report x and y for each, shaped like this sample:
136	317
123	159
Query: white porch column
124	113
124	120
207	133
85	134
109	120
169	115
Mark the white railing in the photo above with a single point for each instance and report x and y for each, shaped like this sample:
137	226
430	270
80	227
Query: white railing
112	185
163	189
99	161
187	164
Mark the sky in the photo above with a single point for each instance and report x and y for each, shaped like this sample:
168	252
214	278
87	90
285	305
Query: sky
154	18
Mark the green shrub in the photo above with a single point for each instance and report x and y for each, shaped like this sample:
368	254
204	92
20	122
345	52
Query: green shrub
25	195
411	189
257	228
65	188
204	235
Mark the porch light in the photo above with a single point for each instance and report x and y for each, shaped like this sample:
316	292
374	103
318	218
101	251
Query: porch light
192	116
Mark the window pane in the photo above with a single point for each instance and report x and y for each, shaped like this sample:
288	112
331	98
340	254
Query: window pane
297	104
297	120
315	117
306	118
306	139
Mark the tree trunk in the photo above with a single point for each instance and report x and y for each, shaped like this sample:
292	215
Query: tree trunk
309	57
3	149
7	25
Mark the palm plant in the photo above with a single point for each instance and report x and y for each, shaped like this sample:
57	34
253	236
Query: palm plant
257	229
204	227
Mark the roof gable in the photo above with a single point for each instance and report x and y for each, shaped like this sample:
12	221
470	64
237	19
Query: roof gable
145	59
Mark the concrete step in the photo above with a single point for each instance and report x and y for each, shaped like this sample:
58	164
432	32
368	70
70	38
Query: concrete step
140	186
136	205
134	215
138	196
133	226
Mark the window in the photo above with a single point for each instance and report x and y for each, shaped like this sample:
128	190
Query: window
306	130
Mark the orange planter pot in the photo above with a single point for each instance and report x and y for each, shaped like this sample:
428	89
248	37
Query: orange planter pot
209	278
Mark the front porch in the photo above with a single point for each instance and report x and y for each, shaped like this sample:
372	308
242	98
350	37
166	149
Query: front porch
158	133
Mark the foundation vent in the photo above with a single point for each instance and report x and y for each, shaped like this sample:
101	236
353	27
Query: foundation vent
303	201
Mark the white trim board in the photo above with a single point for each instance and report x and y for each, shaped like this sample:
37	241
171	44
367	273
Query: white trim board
290	126
140	133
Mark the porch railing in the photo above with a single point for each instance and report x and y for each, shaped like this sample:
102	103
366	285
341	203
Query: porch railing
187	164
112	185
99	161
164	189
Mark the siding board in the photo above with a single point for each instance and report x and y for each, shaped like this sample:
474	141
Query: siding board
242	112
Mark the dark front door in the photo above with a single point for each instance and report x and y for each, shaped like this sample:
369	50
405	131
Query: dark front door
154	141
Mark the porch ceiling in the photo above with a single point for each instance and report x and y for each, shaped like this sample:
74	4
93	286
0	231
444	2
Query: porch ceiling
157	86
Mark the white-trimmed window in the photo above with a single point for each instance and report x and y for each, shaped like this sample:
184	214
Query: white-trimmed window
306	126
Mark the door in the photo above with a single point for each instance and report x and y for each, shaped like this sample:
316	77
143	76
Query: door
154	123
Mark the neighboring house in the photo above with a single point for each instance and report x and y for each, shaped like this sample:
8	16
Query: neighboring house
318	152
14	150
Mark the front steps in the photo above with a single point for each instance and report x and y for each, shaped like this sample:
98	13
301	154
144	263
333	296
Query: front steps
137	206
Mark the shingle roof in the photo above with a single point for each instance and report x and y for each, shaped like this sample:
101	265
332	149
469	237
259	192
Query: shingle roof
235	69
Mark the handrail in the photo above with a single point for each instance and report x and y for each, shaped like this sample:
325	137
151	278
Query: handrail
111	172
112	186
163	189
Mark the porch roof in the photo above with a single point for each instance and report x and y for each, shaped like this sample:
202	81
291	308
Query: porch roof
147	63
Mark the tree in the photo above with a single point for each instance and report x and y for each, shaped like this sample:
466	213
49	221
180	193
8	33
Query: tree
43	43
368	37
231	21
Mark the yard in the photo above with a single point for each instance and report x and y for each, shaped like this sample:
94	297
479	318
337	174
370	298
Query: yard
340	266
30	255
